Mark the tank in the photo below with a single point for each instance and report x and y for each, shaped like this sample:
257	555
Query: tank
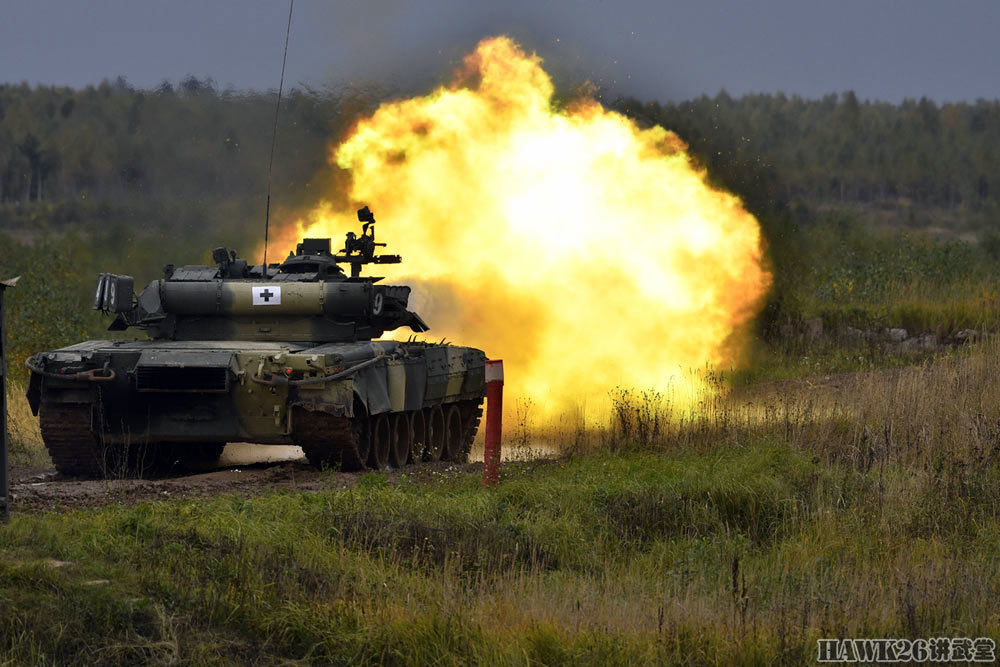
283	354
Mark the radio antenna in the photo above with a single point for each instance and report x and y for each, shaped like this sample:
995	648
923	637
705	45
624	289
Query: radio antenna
274	137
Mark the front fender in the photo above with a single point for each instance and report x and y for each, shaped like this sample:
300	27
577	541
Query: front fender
34	392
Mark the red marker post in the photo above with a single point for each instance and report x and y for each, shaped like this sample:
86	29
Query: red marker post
494	419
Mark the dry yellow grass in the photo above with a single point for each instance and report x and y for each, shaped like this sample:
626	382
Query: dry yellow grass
946	406
26	447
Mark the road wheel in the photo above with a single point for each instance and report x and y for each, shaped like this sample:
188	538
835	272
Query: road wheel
356	455
418	437
381	442
435	434
453	434
401	439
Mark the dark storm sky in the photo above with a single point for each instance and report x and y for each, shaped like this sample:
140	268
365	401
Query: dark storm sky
882	49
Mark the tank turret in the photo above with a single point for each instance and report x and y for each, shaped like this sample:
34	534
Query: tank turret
308	297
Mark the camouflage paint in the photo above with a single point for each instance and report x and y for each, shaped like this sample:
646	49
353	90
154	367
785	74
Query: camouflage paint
408	376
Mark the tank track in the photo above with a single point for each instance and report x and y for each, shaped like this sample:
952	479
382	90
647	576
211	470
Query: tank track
76	451
72	446
329	441
472	414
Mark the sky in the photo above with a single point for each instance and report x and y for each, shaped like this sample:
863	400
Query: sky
664	50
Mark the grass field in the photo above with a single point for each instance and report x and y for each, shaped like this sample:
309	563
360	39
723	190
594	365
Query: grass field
819	490
863	505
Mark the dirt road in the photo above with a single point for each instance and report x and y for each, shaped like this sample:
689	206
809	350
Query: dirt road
244	470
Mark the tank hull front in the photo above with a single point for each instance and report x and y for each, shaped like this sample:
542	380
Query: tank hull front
342	402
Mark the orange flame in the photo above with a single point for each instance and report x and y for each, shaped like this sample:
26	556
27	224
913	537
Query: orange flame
584	251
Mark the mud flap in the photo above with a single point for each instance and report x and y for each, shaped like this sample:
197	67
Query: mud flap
475	372
34	392
406	379
371	385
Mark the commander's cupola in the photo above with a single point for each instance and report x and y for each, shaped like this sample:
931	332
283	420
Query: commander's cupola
312	260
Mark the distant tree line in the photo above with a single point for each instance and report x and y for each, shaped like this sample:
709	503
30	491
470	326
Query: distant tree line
112	141
841	150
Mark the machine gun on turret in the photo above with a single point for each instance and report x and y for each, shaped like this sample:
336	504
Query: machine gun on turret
360	250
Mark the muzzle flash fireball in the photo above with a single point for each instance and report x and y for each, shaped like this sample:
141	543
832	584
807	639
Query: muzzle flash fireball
585	251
